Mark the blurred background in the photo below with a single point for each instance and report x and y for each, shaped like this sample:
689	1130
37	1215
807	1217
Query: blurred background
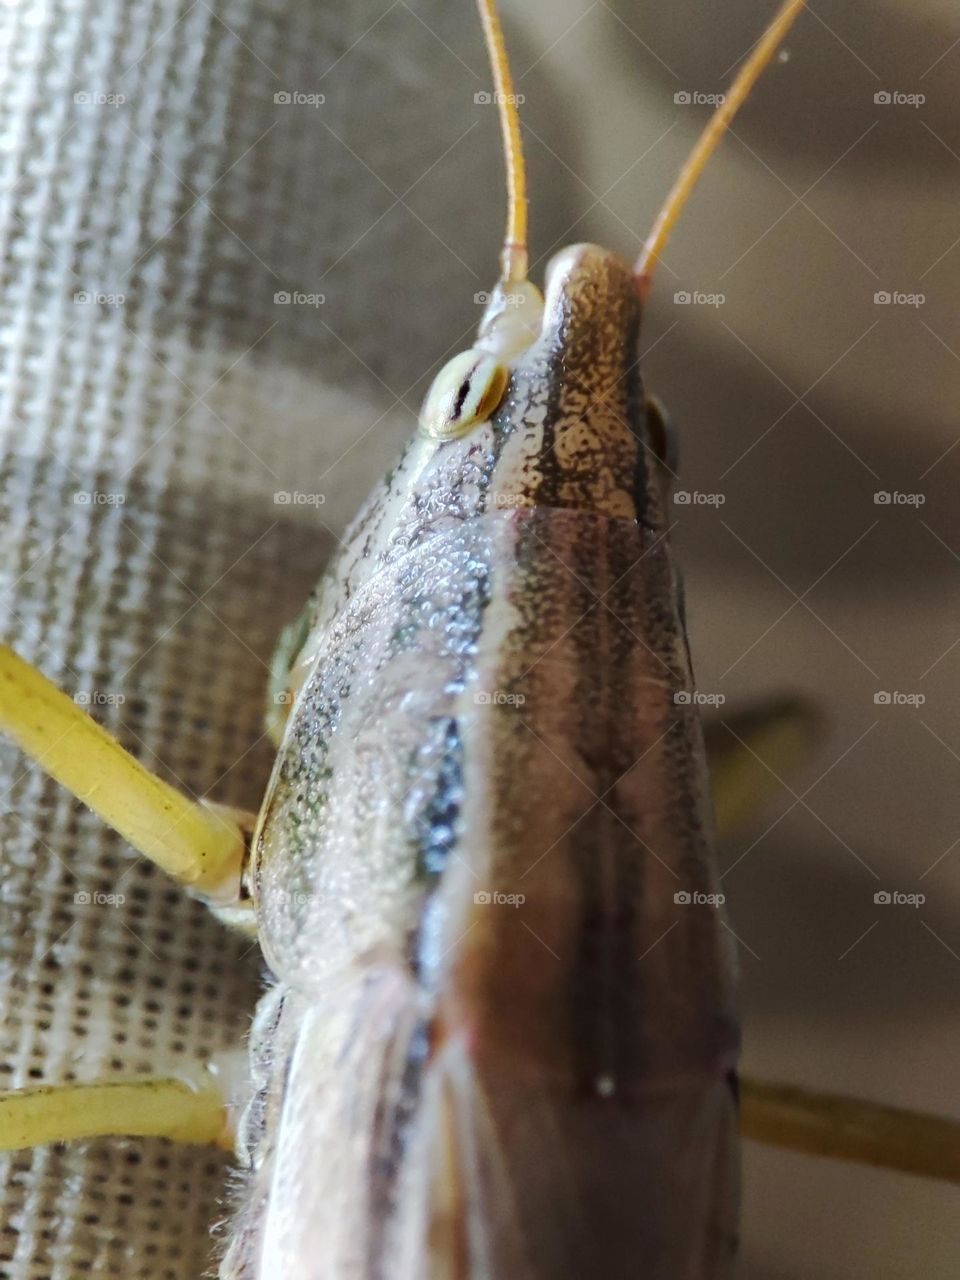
238	239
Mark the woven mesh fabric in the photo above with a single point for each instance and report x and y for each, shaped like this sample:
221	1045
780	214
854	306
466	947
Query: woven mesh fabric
155	199
155	396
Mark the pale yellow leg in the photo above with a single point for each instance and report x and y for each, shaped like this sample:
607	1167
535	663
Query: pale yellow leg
199	844
750	750
825	1124
154	1108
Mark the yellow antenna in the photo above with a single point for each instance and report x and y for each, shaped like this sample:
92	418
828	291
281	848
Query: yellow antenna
707	143
513	260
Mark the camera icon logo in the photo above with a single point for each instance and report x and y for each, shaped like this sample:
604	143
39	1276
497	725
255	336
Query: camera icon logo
682	698
682	298
682	498
483	898
282	699
282	98
282	298
483	98
882	298
82	899
682	98
882	698
682	898
882	98
882	898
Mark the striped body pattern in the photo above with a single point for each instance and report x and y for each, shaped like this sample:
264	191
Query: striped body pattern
502	1038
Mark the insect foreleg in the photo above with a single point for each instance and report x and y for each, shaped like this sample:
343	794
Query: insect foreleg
201	845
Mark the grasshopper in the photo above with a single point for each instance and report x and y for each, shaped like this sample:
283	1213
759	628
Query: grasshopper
501	1039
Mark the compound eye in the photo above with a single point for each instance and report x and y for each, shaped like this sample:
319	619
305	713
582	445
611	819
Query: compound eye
467	390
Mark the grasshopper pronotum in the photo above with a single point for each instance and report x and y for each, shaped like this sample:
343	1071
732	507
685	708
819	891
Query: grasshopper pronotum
502	1039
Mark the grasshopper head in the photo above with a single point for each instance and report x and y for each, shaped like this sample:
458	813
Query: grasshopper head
571	430
547	409
591	316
